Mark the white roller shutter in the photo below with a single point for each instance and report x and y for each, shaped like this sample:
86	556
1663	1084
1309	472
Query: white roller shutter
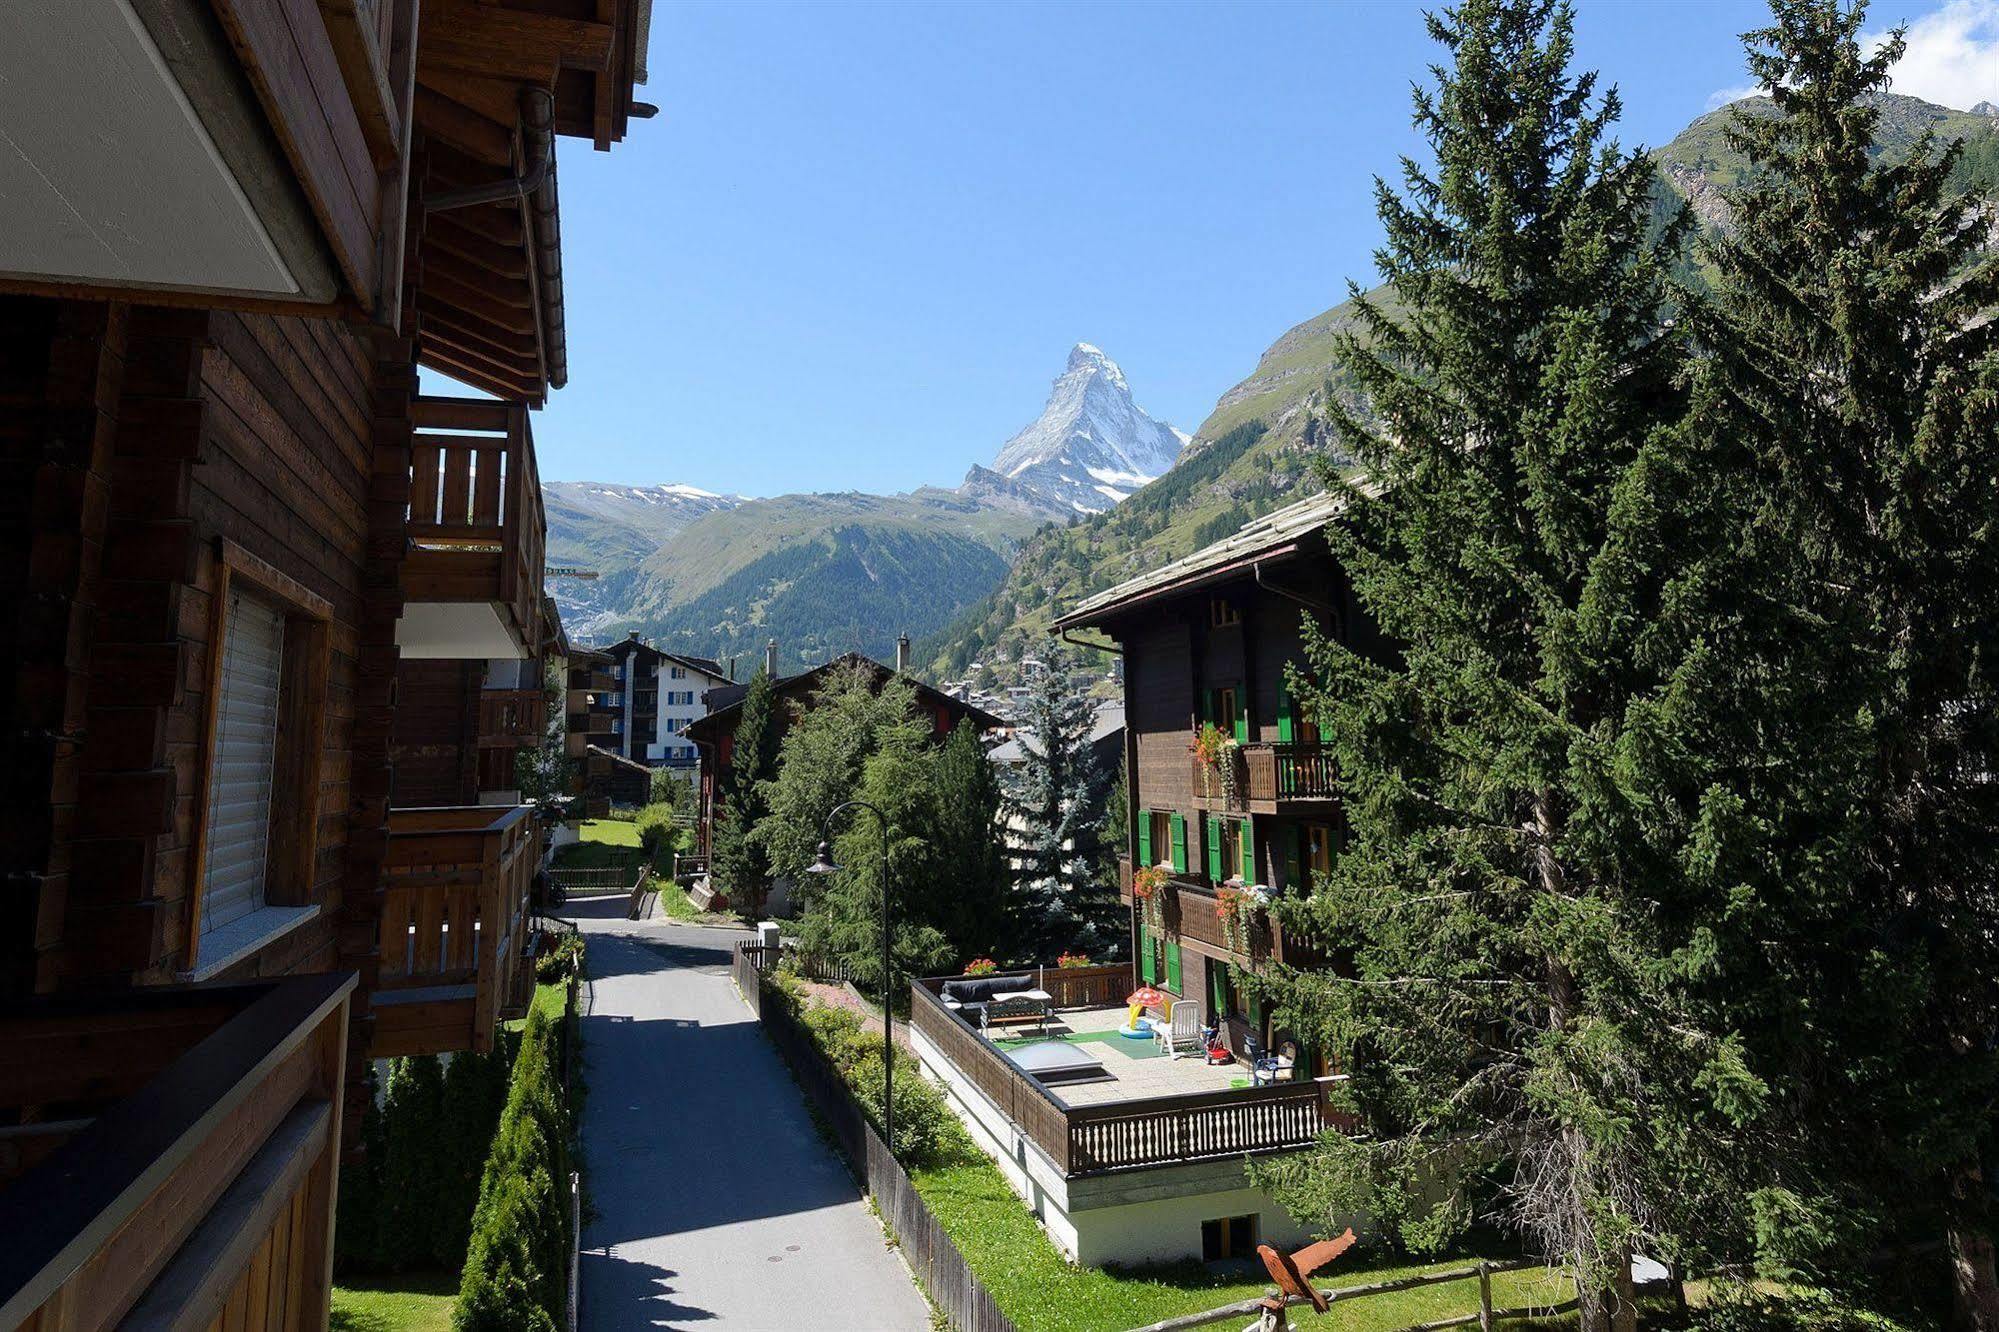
240	768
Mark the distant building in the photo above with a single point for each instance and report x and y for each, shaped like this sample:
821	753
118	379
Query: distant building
660	694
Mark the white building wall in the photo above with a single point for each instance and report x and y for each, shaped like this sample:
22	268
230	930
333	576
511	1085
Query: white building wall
1151	1215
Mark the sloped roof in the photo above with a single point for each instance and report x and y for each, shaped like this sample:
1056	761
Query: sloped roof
1278	531
725	703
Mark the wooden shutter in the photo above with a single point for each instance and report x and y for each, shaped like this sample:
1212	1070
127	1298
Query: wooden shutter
242	754
1178	823
1144	838
1173	965
1214	840
1241	714
1248	843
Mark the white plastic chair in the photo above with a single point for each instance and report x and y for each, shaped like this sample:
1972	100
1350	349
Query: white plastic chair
1181	1030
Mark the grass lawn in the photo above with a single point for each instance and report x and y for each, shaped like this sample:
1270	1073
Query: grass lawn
610	832
414	1302
1043	1292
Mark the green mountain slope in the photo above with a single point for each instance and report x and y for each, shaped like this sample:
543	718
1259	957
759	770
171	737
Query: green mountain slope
1250	456
820	573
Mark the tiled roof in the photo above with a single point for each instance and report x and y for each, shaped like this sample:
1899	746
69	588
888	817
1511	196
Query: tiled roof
1278	528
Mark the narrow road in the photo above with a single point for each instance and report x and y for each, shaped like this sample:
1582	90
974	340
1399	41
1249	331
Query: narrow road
715	1200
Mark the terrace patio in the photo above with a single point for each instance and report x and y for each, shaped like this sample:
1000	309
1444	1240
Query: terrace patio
1138	1069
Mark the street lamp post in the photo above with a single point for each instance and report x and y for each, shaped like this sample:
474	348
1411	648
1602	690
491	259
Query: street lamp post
824	865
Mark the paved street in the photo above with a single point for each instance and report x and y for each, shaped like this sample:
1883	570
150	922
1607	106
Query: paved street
716	1202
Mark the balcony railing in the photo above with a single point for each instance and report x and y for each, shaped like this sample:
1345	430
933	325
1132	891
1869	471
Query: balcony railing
476	526
512	718
453	940
1267	778
1191	912
172	1156
1161	1130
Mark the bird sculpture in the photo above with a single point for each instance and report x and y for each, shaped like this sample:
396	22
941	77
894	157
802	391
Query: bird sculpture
1293	1275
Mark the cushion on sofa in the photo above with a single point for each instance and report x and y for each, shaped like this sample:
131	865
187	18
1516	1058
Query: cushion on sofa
985	988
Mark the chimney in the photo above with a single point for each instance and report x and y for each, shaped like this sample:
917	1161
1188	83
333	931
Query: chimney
635	635
902	654
770	659
732	670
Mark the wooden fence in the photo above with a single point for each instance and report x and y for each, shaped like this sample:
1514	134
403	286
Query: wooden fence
613	878
952	1285
764	958
1486	1317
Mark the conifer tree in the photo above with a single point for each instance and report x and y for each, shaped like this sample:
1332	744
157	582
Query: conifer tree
1055	808
968	861
1504	1004
741	866
1851	393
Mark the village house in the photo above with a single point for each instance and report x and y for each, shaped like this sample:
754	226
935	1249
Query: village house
1130	1148
660	694
274	608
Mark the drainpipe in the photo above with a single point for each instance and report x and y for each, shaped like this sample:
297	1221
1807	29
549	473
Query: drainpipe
536	186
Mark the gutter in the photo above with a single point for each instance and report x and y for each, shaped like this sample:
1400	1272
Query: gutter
534	187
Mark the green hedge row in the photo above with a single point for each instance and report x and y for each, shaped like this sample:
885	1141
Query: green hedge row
516	1266
406	1202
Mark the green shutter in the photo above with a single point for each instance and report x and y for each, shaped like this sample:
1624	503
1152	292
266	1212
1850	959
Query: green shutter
1218	991
1207	705
1214	840
1144	837
1284	729
1242	713
1179	822
1173	966
1248	841
1146	971
1294	862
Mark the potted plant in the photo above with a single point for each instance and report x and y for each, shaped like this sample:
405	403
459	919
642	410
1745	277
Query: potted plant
1072	961
1240	906
981	966
1218	752
1148	885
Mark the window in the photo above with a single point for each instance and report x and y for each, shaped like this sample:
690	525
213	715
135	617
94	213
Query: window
1162	840
1162	832
1319	848
256	830
1228	1237
1222	613
678	673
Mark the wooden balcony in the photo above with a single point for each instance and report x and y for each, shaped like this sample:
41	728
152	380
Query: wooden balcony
1122	1135
1269	779
453	942
512	718
1192	912
472	579
170	1157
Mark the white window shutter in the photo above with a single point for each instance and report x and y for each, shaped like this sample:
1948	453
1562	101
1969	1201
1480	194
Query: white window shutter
241	761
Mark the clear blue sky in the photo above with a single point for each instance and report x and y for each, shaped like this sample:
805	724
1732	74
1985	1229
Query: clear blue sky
857	243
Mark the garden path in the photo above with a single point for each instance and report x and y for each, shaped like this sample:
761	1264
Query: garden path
715	1200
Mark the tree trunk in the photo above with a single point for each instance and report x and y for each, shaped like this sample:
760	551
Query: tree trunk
1974	1274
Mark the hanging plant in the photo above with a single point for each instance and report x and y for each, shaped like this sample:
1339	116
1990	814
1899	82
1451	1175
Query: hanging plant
1239	908
1148	885
1219	753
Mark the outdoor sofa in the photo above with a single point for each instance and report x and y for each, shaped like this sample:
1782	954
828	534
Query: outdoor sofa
991	999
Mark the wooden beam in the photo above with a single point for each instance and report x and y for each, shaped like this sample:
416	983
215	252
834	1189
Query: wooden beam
510	293
475	301
498	100
442	323
357	47
447	120
444	233
488	40
447	361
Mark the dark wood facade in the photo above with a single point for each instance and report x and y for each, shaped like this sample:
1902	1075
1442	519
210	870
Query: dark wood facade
1209	642
185	1077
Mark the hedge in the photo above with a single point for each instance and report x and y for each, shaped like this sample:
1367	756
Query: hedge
406	1201
516	1266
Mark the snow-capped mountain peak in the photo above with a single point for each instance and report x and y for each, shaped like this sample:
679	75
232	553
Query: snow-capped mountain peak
1092	445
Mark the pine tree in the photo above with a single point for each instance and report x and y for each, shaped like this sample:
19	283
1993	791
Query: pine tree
1504	1004
1852	393
1055	812
741	866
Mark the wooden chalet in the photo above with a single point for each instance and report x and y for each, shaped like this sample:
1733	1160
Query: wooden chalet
1206	640
264	589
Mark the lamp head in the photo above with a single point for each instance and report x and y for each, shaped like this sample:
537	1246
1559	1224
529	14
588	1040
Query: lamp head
824	863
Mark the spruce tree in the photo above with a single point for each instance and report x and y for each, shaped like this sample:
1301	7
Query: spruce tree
741	866
1851	393
1503	997
1055	812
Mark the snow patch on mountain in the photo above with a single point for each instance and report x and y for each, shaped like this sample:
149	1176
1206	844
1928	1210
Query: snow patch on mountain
1092	445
